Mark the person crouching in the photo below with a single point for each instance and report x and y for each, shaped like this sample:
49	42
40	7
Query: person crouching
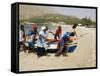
62	45
41	42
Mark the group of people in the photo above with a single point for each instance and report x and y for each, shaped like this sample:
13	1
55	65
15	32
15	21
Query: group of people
41	39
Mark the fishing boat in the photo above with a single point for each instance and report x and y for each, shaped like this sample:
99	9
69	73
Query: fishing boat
52	47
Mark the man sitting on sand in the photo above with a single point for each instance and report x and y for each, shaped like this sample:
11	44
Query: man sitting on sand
63	43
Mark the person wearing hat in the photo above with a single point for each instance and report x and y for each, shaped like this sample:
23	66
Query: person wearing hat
42	41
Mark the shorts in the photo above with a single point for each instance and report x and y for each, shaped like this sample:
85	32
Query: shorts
31	44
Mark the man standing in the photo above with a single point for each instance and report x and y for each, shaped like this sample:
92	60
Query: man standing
74	27
58	33
21	36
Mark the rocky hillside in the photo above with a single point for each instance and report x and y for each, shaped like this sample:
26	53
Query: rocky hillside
31	11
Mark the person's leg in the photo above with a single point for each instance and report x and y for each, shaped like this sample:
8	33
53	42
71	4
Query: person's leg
65	51
44	52
40	51
55	37
24	47
58	36
20	44
32	46
59	52
60	48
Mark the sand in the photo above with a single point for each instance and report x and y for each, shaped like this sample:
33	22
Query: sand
83	57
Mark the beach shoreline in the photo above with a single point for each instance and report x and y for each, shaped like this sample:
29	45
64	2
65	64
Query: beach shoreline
83	57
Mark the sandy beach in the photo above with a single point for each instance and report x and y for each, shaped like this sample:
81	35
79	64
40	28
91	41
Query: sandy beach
83	56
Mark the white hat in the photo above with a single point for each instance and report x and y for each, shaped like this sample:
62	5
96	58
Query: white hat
43	28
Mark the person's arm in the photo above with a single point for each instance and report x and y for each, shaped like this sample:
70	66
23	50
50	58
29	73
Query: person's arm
27	38
51	32
43	37
73	38
61	32
75	32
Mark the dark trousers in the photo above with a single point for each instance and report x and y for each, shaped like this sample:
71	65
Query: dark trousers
55	37
23	46
41	51
20	44
61	50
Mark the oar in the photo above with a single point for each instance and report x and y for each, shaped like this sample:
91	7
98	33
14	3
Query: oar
52	40
83	35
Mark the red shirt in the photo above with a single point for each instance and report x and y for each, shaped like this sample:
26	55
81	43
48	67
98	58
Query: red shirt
58	31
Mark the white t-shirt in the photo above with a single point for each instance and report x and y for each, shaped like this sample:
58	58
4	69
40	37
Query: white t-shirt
41	42
21	33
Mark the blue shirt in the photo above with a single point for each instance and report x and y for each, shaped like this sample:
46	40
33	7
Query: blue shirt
64	39
65	36
30	33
